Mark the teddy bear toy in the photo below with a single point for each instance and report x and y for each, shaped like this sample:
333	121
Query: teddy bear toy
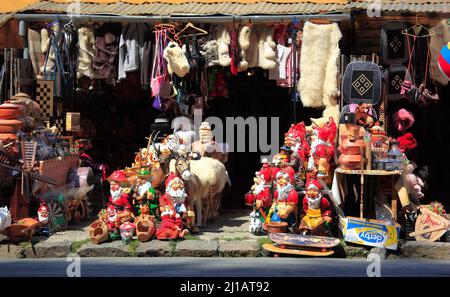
414	183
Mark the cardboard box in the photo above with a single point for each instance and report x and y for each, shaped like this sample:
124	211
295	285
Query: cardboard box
370	232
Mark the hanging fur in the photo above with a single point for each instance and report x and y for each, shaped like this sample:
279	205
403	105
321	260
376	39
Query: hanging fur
244	44
45	47
209	50
252	51
176	60
223	42
86	42
266	47
318	64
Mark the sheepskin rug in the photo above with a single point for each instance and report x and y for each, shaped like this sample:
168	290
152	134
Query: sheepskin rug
320	52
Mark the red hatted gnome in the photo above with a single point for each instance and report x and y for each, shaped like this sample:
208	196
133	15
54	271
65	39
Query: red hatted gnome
284	207
119	198
262	198
317	210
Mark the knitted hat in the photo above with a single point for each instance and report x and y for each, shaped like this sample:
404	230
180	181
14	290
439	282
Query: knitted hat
444	60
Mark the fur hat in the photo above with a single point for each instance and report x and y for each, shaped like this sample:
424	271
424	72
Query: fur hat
176	60
403	120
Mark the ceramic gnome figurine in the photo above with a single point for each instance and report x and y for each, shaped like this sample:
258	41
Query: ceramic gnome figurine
170	225
175	197
322	150
284	207
296	140
113	222
127	232
119	198
43	218
262	199
144	194
317	210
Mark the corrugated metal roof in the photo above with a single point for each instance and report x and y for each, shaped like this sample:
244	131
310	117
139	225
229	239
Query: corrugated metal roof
415	6
192	8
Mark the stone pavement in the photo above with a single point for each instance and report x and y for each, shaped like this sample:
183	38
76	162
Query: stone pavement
227	236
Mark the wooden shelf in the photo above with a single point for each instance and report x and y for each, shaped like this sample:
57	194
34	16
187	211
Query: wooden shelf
369	172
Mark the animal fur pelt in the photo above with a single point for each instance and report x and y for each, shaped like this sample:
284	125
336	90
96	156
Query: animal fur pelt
437	41
318	64
210	51
252	51
34	44
244	44
176	60
86	42
223	43
266	47
45	47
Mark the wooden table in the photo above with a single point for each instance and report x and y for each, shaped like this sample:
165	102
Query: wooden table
398	189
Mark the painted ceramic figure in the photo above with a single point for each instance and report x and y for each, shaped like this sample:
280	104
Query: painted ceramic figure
316	209
261	191
127	231
43	219
144	193
171	225
175	197
119	198
284	207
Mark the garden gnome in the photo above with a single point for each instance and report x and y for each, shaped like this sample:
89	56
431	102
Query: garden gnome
284	207
176	193
113	222
262	201
171	225
119	198
127	232
43	218
144	193
316	208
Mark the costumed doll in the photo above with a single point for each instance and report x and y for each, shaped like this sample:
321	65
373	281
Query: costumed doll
317	210
119	196
284	207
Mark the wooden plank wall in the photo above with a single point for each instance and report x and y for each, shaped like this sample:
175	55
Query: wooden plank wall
366	30
9	35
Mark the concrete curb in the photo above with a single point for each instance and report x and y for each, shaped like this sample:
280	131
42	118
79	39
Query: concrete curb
48	250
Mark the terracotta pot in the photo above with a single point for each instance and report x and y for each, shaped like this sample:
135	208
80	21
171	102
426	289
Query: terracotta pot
10	126
277	227
5	136
145	229
352	147
98	232
350	162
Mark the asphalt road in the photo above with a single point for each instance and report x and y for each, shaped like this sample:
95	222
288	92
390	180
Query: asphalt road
223	267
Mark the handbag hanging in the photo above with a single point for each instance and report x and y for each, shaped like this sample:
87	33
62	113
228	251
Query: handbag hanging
159	82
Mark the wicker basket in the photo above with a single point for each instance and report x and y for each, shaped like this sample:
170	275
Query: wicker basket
277	227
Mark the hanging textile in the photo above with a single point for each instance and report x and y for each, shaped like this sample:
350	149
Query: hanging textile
131	48
159	78
106	51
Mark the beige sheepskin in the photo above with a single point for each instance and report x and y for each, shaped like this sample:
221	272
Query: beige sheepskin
320	52
244	44
176	60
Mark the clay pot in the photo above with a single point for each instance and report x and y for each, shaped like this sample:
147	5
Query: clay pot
98	232
10	111
352	147
10	126
277	227
350	162
145	230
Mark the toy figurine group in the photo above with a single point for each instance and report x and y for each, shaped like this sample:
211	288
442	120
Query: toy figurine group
158	194
303	165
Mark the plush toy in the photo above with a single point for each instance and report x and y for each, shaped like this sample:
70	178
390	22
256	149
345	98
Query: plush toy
176	60
414	183
364	116
403	120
